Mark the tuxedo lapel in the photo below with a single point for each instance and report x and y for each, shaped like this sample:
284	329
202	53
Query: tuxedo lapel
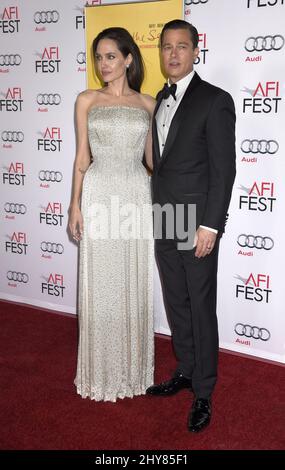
154	131
178	117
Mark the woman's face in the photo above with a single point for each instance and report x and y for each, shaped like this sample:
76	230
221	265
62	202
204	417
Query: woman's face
110	61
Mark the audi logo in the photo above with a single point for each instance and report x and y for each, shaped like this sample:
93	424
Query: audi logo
194	2
10	59
252	332
15	208
52	247
81	58
50	175
16	276
50	16
48	98
259	146
255	241
264	43
12	136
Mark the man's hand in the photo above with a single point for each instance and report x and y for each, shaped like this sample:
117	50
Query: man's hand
204	241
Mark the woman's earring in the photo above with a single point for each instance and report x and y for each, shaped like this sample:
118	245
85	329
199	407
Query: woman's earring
127	66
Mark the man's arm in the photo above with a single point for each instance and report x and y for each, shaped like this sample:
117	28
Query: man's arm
222	156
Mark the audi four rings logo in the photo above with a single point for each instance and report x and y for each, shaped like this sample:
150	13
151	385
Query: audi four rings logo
48	98
252	332
81	58
194	2
259	146
264	43
10	59
52	247
255	241
15	208
50	16
16	276
12	136
53	176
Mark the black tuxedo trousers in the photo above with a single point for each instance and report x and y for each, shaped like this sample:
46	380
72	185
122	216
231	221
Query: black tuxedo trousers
189	287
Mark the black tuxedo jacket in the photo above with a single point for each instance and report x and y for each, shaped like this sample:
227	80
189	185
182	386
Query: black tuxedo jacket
198	162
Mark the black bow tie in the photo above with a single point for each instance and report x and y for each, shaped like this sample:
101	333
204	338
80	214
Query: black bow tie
169	90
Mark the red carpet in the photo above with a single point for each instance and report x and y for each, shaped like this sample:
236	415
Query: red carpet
41	410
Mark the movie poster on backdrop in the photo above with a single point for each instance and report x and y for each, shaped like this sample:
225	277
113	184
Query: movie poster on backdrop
144	21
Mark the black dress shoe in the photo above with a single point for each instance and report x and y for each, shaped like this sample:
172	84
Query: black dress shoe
170	387
200	415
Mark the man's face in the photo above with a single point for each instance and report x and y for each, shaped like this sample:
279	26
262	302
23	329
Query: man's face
177	53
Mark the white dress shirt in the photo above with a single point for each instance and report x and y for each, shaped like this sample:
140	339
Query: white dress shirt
165	113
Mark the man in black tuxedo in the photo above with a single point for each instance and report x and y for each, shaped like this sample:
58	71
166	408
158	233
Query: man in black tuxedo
194	164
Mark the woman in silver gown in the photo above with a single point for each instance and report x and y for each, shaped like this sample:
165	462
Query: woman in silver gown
110	215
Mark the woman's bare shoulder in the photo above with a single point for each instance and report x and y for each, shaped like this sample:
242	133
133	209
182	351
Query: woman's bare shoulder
87	97
148	102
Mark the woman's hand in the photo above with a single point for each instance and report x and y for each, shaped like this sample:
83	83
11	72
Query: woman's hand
75	223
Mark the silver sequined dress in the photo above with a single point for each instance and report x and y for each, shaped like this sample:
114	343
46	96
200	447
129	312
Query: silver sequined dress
115	352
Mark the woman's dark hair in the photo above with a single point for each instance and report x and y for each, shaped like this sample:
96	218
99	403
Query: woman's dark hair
181	24
126	45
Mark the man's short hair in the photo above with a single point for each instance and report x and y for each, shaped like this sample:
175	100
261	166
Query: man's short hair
181	24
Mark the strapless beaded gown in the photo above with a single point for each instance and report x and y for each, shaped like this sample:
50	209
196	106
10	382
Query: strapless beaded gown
115	303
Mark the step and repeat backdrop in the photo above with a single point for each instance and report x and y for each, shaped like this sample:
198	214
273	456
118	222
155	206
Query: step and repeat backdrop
42	70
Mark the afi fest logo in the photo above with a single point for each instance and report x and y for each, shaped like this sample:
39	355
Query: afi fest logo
264	98
49	61
53	285
202	44
264	3
50	140
260	197
17	243
10	20
80	17
52	214
256	287
15	174
12	101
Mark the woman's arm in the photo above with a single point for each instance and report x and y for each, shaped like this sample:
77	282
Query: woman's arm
149	104
82	158
81	163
